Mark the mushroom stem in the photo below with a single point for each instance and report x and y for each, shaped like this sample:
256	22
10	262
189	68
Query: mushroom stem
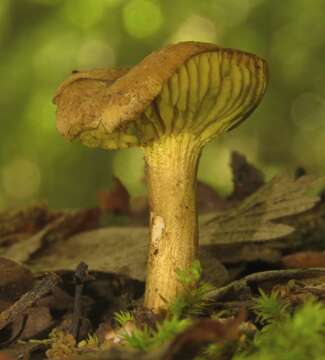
171	166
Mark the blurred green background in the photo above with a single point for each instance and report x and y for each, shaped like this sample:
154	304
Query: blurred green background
42	41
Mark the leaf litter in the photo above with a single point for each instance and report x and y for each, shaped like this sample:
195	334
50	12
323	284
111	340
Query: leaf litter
259	226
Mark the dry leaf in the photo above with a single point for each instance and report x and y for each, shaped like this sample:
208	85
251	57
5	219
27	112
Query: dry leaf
38	320
246	177
67	224
189	343
22	222
120	250
41	288
15	280
124	250
304	259
4	356
208	199
242	253
117	200
251	220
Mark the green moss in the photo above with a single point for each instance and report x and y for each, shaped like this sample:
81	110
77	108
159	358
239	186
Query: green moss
192	302
269	308
289	337
146	339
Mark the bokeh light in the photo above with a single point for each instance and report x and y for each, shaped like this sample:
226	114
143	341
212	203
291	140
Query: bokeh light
42	41
95	53
292	57
142	18
56	53
197	28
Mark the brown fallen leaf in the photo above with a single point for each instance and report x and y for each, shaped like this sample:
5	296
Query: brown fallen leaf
243	253
25	351
124	250
41	288
253	218
243	290
208	199
38	319
4	356
246	177
310	226
189	343
22	222
304	259
64	226
116	200
15	280
120	250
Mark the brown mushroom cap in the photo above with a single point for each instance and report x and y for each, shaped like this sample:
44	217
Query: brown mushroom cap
191	87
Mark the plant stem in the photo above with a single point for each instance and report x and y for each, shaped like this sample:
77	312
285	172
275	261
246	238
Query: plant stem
171	165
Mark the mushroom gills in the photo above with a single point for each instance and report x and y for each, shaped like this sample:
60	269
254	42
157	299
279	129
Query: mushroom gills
207	96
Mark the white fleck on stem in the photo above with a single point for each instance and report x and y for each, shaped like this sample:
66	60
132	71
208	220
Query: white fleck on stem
157	229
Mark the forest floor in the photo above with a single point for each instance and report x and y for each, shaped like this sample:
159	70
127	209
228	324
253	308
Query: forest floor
72	282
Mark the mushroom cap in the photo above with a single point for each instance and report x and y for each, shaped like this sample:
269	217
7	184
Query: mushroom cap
192	87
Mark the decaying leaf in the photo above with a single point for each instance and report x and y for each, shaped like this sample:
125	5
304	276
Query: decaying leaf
188	344
117	200
62	227
114	249
208	199
244	289
246	177
304	259
243	253
4	356
252	219
40	289
38	320
23	350
23	222
15	280
232	233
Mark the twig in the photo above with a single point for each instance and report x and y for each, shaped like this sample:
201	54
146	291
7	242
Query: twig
42	287
81	276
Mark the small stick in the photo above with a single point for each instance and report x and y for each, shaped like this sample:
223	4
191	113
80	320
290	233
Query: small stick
81	276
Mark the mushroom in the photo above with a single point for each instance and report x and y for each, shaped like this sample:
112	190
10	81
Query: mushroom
170	105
